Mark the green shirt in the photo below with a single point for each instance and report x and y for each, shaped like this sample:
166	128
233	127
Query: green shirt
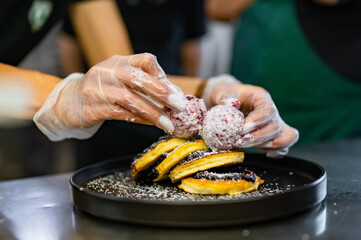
271	51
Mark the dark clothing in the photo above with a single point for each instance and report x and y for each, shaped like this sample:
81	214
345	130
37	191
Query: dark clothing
115	139
23	24
160	28
334	33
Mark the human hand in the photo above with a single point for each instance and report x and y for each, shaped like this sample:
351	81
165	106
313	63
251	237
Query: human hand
263	127
129	88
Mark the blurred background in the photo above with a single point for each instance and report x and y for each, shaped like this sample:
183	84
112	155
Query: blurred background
306	53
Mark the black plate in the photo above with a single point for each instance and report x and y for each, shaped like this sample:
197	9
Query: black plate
291	185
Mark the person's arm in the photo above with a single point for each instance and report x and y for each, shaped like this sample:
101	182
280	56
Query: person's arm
189	85
194	22
128	88
70	55
30	89
23	92
226	10
327	2
191	57
100	30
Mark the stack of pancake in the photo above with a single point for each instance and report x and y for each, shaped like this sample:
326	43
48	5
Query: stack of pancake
195	167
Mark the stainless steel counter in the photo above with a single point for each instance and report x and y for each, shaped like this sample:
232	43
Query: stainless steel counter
41	208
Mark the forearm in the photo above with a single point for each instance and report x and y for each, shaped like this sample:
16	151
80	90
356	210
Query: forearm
226	10
194	85
189	85
100	30
191	52
327	2
26	90
70	56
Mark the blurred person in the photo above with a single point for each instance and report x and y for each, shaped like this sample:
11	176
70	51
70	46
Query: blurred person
307	54
126	88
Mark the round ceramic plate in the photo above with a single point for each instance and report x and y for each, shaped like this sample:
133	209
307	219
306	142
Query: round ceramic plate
106	190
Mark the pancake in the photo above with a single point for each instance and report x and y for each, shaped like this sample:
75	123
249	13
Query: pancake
206	162
176	156
153	153
198	169
213	182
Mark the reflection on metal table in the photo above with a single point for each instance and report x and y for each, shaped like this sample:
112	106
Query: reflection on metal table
41	208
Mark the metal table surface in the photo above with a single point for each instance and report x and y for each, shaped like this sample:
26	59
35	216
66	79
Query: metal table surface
41	208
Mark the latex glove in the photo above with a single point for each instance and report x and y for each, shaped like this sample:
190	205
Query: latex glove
263	127
130	88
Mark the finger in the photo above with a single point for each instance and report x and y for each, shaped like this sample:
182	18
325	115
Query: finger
256	105
147	84
148	63
104	112
280	153
287	138
260	116
231	101
267	132
130	117
226	98
220	93
141	107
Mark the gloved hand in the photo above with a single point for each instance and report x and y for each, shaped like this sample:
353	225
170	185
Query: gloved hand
263	127
130	88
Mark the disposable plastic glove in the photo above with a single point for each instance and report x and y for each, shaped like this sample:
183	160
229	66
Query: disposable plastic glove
130	88
263	127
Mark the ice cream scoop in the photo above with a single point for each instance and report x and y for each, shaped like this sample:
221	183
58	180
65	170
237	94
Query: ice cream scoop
222	127
189	121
